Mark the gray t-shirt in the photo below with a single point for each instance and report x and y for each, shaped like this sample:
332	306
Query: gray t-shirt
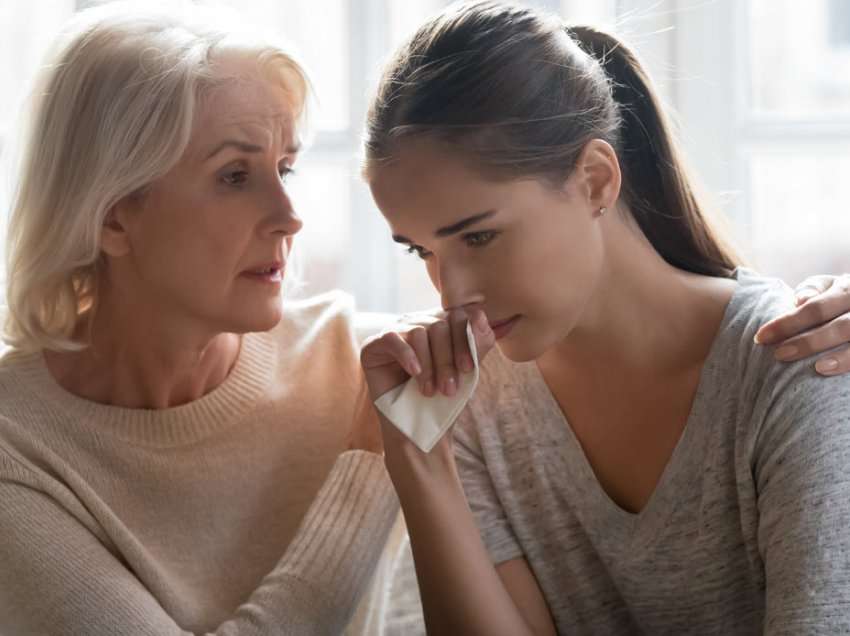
748	530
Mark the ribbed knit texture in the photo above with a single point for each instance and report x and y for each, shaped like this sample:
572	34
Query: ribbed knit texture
238	513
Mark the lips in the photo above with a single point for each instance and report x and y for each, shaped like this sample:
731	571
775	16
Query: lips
271	271
500	323
502	328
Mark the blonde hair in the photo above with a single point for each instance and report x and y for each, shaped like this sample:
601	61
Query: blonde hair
111	112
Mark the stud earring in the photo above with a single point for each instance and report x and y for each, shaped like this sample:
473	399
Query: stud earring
601	211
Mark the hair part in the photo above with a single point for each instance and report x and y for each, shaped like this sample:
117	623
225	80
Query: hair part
520	94
112	111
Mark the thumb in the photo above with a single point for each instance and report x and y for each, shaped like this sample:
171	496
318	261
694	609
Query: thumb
484	336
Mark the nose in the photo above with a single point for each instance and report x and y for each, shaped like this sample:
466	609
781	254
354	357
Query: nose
457	285
283	219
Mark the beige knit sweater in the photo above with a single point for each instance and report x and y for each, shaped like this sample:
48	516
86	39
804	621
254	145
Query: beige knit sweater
238	513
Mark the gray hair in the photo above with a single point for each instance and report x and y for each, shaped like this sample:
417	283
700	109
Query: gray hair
111	112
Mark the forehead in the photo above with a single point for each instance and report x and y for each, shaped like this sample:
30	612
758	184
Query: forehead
428	179
250	103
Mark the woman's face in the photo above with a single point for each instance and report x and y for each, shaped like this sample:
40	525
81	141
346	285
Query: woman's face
526	252
209	241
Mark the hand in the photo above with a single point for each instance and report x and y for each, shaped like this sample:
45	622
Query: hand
821	321
429	347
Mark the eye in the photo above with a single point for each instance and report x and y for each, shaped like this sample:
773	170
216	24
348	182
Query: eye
285	172
421	252
235	177
479	239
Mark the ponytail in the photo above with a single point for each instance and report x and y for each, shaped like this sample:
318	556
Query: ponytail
657	186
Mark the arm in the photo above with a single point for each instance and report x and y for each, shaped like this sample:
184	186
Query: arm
802	473
820	322
462	592
57	577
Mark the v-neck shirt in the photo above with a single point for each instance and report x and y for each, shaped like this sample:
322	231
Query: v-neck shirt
747	530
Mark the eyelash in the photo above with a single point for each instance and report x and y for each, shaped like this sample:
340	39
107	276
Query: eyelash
283	173
472	239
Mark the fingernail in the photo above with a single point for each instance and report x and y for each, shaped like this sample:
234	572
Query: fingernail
786	352
429	388
450	387
414	366
758	338
482	326
827	365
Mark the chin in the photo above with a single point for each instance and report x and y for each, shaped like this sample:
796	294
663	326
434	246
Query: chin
518	351
262	319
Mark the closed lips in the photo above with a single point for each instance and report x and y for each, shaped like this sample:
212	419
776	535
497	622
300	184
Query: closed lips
499	323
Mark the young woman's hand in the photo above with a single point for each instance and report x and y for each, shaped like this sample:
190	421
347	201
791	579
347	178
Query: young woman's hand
431	348
821	321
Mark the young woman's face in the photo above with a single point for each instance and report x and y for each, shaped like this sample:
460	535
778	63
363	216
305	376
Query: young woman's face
210	240
526	252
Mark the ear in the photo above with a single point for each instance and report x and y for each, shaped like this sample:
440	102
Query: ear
114	235
597	174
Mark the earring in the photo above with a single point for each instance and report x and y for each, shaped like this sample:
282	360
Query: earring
601	211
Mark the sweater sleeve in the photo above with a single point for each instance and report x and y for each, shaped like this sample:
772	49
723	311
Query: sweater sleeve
802	477
58	578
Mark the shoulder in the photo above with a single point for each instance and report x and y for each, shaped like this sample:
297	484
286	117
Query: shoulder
307	323
370	323
319	310
777	401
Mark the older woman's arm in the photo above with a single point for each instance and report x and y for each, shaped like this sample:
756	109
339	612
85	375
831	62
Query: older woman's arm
58	576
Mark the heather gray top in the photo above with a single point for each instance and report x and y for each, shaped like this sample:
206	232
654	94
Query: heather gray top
748	530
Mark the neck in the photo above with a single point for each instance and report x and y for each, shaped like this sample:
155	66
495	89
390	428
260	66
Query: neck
139	357
645	318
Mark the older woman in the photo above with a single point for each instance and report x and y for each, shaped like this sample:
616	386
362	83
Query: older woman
177	453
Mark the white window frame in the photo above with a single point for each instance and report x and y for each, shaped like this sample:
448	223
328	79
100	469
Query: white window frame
721	132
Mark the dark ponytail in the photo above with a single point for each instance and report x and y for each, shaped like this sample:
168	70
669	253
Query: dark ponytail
521	95
656	185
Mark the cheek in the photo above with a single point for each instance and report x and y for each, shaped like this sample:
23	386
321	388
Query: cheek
561	269
192	245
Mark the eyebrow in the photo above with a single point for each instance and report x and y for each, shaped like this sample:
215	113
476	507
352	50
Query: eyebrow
454	228
246	147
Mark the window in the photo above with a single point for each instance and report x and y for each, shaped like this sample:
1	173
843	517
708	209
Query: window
766	114
761	88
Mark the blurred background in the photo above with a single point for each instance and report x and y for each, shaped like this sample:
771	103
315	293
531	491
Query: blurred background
760	89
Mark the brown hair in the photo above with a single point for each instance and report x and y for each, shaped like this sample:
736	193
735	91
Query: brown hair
521	94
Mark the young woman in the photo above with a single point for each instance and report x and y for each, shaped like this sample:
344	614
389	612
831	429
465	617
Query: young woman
633	462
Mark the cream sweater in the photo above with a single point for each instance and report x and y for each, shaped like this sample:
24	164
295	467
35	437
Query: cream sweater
238	513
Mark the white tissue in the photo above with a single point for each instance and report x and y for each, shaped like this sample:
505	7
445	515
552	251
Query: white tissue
426	419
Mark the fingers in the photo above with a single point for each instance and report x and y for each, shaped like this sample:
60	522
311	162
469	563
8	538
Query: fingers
442	349
834	363
816	311
388	348
485	339
834	333
418	339
443	358
463	357
811	287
